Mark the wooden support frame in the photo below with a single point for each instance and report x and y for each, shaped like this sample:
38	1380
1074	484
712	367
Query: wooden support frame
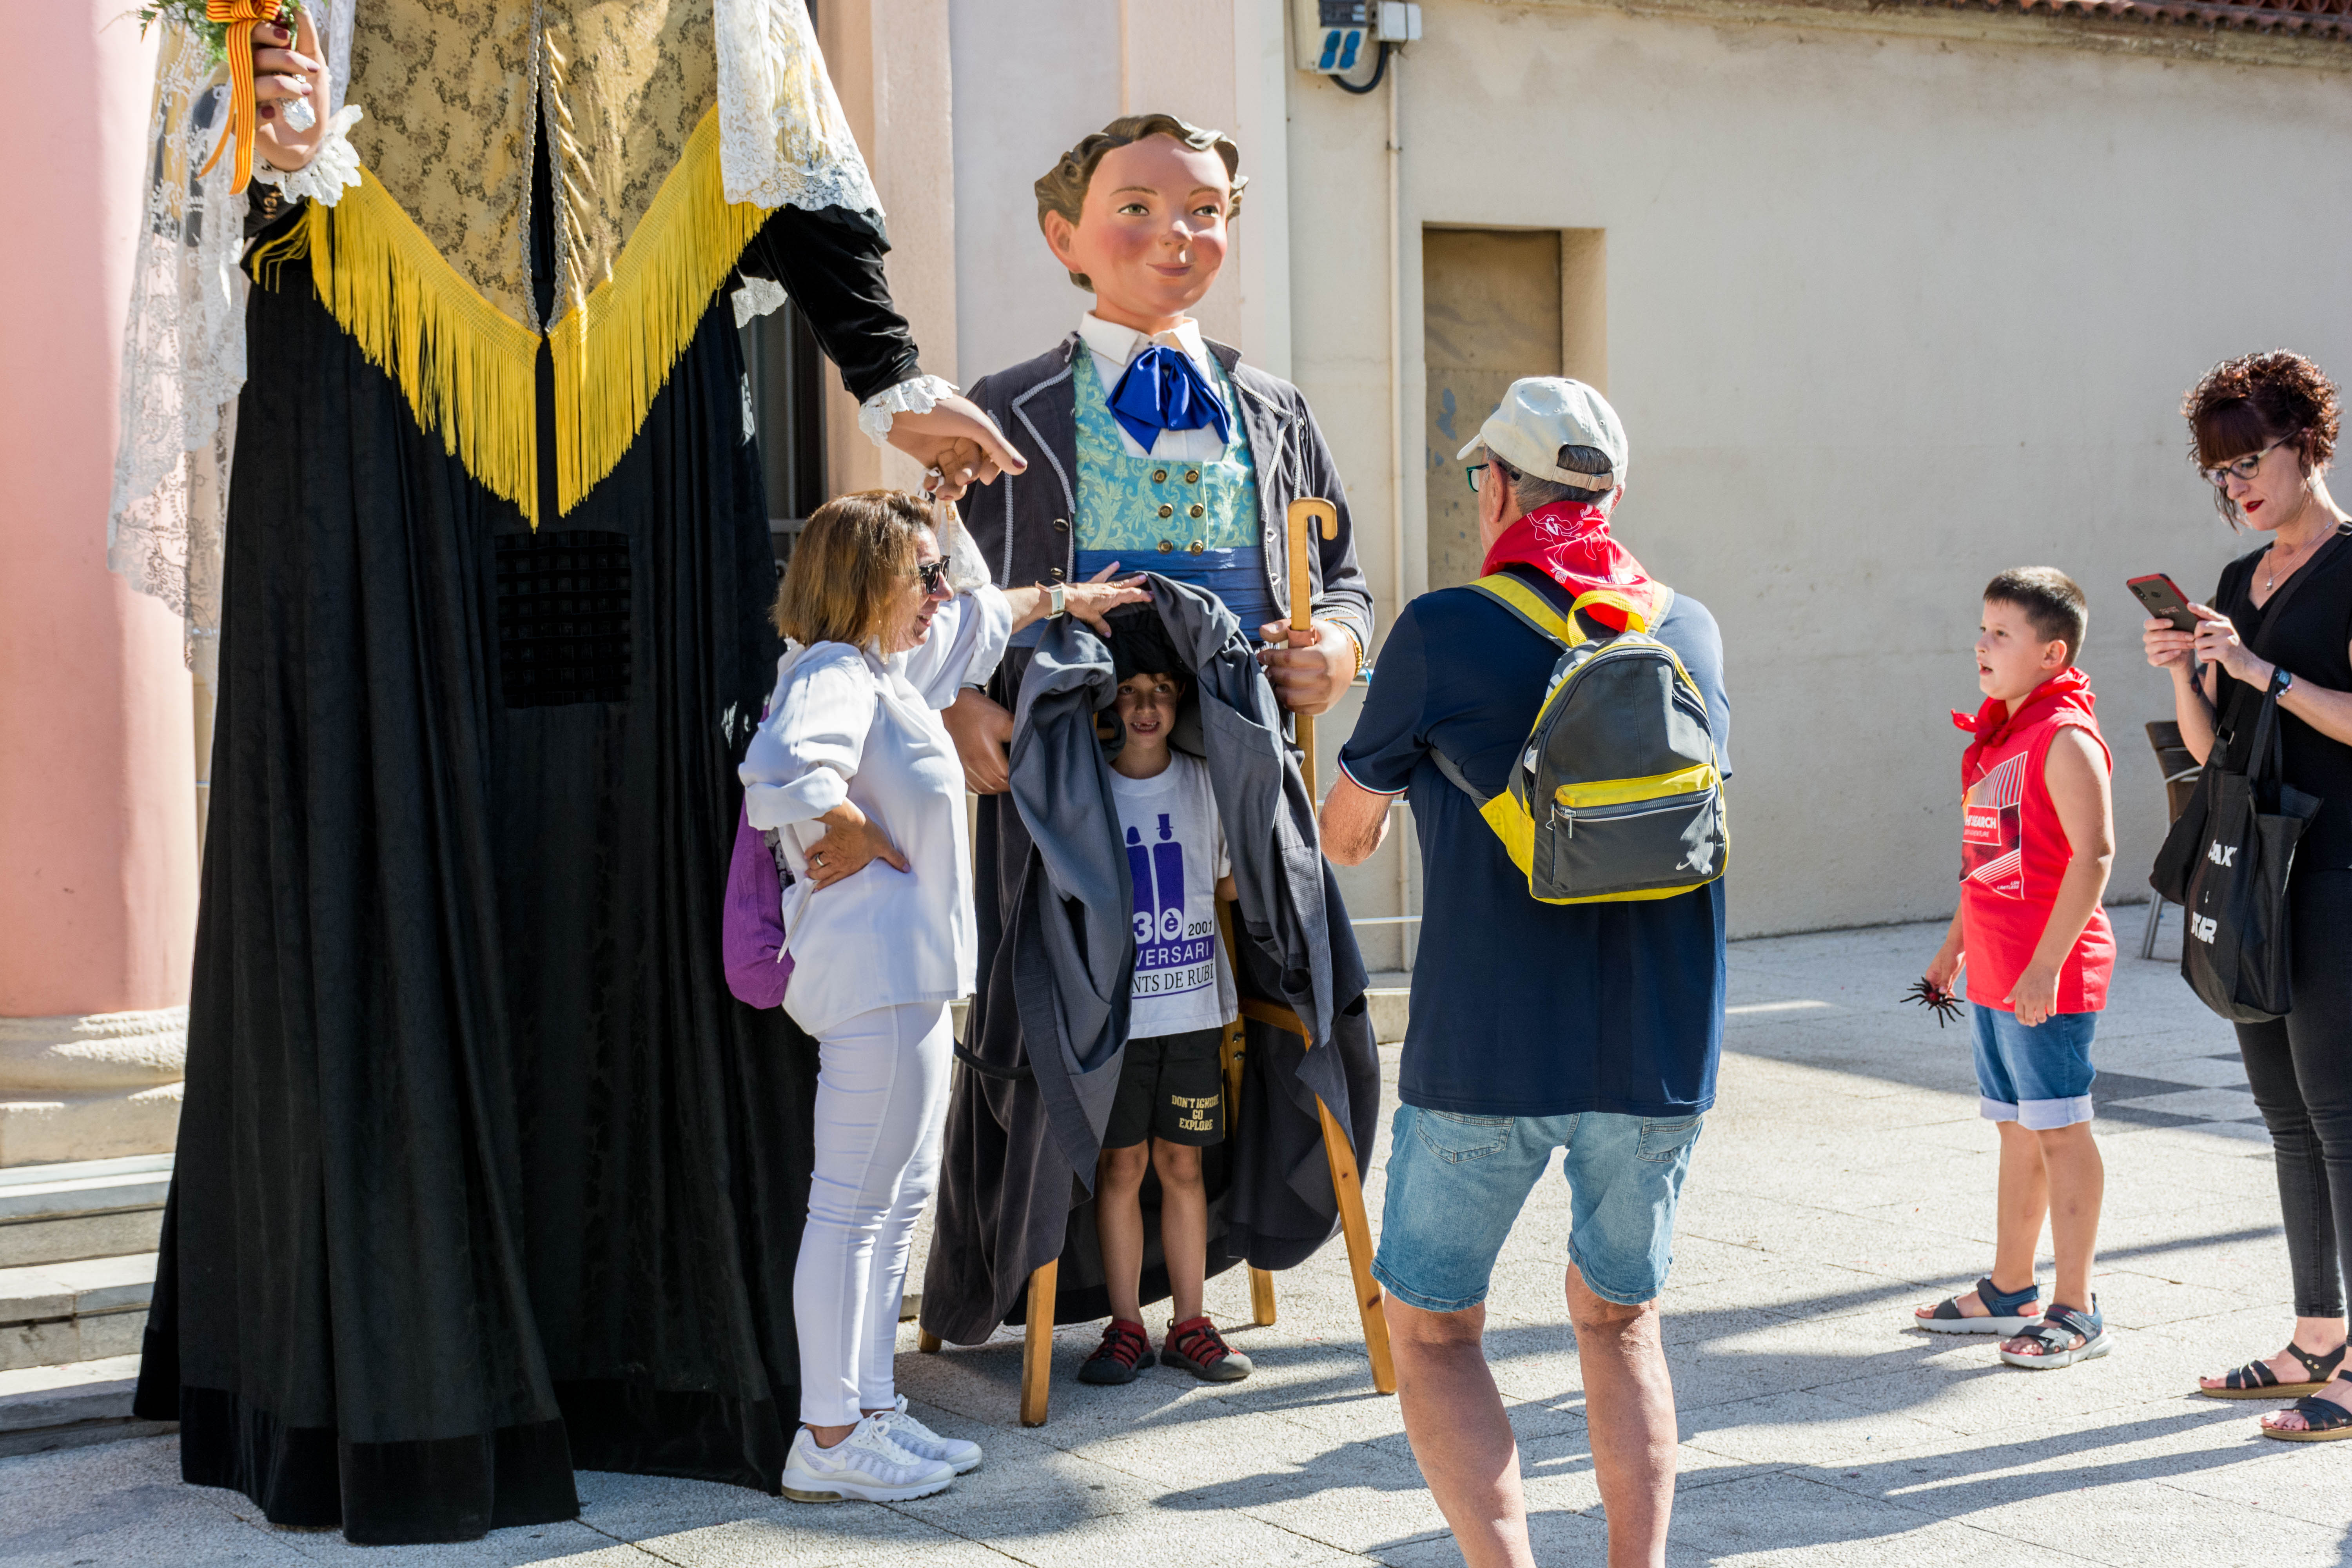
1233	1052
1347	1184
1037	1344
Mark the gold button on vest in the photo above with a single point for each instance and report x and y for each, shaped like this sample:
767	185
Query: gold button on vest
1198	546
1199	511
1167	510
1158	476
1192	476
1165	546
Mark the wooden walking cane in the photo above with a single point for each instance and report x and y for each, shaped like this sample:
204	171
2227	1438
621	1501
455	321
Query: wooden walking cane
1347	1181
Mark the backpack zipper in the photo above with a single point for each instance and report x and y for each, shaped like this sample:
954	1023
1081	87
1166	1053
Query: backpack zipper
1564	816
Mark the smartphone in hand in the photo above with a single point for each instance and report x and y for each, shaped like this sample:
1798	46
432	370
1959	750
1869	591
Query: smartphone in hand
2163	599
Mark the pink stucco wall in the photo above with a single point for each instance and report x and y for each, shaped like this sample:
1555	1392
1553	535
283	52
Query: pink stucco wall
98	860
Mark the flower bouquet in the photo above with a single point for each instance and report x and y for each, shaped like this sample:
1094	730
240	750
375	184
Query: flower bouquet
198	18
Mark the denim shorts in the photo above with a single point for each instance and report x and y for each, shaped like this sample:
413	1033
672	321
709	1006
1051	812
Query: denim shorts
2038	1077
1455	1183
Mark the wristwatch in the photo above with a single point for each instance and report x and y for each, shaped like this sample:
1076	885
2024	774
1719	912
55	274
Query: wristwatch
2282	679
1057	601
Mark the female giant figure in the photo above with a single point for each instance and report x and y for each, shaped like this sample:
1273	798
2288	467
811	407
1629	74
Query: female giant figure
483	1174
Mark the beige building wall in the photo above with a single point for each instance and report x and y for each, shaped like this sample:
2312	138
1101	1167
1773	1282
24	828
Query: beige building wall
889	63
1895	300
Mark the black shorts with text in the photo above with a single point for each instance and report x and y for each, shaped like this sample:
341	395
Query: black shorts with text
1169	1087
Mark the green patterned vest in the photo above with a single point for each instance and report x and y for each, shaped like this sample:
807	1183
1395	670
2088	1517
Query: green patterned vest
1194	521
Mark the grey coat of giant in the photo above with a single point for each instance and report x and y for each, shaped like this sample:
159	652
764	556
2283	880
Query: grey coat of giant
1048	1027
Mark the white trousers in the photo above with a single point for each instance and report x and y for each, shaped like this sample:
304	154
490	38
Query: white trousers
881	1111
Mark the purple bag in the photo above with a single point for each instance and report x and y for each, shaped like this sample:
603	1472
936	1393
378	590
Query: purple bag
752	929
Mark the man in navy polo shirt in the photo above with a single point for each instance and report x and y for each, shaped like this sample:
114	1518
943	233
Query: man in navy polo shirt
1593	1028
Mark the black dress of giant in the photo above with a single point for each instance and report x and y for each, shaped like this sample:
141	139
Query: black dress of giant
483	1174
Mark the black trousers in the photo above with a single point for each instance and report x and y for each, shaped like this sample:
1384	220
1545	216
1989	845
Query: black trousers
2300	1068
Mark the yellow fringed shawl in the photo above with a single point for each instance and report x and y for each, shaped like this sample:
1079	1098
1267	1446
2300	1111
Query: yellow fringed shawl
427	263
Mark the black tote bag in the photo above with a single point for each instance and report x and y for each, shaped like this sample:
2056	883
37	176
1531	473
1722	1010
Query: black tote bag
2239	854
2186	845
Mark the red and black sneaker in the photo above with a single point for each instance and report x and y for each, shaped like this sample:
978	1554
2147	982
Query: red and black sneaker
1195	1345
1124	1350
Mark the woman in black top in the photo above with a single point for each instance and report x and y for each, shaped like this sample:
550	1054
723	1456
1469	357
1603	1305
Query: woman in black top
2266	428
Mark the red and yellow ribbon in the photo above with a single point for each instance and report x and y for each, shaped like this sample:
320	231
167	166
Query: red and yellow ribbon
242	16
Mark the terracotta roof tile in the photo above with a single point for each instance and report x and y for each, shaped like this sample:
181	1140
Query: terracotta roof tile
2310	19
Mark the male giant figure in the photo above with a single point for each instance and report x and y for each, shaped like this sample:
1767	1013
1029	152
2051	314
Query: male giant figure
1164	452
1592	1027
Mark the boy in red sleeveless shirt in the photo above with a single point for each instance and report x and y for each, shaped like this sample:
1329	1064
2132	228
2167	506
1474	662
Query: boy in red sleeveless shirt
2037	835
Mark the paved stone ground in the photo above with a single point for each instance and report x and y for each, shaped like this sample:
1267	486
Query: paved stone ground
1843	1178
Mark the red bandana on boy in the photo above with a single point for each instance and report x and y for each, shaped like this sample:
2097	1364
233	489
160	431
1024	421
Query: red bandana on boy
1994	722
1568	542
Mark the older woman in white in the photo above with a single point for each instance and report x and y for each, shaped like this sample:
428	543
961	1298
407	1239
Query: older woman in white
855	769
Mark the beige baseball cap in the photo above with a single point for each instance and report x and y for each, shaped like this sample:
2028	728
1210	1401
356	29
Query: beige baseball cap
1541	414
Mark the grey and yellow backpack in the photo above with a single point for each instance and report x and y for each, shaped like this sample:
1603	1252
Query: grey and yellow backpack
1617	793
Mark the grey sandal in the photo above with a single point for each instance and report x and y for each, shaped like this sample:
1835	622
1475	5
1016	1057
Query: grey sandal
2008	1318
2055	1334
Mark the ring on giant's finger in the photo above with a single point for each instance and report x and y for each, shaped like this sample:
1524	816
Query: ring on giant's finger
299	114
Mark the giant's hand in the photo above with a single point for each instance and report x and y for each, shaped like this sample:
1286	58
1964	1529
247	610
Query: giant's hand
287	66
1309	667
958	440
981	729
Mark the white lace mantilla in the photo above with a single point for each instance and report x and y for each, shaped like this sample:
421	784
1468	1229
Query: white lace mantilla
184	336
757	296
917	394
182	341
782	139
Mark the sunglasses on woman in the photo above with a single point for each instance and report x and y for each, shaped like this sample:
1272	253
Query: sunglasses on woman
2245	467
934	574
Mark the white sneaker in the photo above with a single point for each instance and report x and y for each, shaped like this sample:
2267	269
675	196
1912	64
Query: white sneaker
925	1444
866	1465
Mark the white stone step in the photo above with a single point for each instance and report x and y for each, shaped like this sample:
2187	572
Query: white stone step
1390	998
55	1313
89	1208
65	1406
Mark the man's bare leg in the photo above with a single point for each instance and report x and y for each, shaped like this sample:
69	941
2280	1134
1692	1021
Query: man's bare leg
1629	1415
1460	1435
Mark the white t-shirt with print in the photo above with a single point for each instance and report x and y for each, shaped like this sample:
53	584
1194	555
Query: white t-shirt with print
1175	855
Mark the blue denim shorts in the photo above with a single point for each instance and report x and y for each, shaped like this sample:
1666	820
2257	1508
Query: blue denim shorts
2038	1077
1455	1183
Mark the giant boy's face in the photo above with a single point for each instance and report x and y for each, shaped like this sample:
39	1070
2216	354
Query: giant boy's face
1151	235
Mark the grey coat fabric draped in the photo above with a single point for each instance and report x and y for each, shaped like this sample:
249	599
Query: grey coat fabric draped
1047	1028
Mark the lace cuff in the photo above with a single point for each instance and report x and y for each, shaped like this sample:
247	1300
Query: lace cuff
917	395
967	567
334	165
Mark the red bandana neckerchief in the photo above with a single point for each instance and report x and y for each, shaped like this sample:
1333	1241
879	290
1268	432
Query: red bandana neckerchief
1568	542
1994	723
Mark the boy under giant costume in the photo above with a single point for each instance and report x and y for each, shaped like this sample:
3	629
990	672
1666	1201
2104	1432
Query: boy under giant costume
1158	449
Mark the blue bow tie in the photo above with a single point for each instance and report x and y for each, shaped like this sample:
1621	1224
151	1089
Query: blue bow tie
1163	389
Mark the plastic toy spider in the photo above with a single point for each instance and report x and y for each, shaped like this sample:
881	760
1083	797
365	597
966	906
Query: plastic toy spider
1945	1005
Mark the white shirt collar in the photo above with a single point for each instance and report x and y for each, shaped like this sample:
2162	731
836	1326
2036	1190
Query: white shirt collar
1120	344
